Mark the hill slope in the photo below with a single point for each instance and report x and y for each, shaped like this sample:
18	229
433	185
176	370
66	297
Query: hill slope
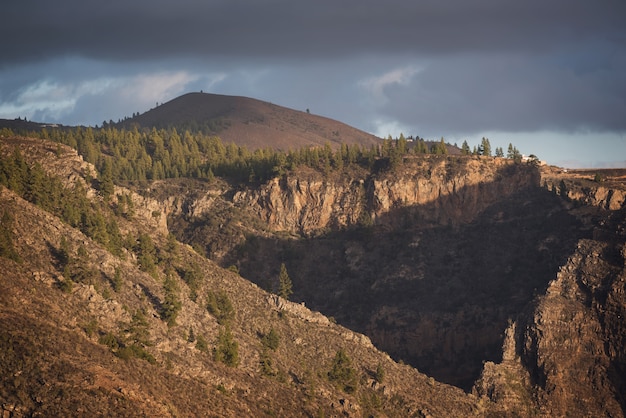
250	122
103	312
158	330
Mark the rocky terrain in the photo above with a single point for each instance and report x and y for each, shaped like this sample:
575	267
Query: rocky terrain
435	261
564	356
497	289
103	346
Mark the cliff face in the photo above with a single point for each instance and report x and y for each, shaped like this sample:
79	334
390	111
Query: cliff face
428	259
439	191
459	247
574	345
566	353
586	187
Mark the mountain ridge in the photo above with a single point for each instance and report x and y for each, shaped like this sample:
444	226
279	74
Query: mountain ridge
76	339
250	122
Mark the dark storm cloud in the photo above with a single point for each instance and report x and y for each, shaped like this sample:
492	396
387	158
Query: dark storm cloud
117	30
510	92
428	68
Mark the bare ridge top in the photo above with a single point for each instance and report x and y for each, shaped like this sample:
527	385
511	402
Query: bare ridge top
250	122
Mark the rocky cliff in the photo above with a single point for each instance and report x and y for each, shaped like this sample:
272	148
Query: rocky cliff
565	355
438	191
587	187
463	267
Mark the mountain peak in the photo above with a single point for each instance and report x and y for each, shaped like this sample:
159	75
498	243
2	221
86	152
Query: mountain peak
250	122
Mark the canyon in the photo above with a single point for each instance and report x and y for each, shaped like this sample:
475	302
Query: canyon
483	286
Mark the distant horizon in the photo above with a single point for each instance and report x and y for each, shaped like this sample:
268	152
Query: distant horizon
526	147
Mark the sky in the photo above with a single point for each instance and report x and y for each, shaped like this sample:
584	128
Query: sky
547	76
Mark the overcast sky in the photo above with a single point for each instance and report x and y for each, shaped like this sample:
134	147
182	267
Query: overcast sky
548	76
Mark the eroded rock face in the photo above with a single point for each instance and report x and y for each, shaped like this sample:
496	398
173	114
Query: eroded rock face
304	205
459	245
569	349
578	186
574	346
439	191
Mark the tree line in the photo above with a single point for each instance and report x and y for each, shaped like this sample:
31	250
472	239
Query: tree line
484	148
153	154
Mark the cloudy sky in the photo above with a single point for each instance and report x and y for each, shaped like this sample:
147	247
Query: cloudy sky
548	76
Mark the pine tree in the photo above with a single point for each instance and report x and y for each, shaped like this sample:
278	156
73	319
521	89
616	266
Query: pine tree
510	152
342	373
118	282
106	180
219	305
171	303
271	340
486	147
146	253
284	283
226	348
465	149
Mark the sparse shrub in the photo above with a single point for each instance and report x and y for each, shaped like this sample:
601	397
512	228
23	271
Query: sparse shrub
134	344
91	327
198	248
379	375
202	344
226	348
371	401
110	341
271	340
341	372
219	305
171	303
66	285
7	249
130	351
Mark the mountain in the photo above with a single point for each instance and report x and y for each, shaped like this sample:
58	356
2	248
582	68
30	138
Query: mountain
423	285
148	327
250	122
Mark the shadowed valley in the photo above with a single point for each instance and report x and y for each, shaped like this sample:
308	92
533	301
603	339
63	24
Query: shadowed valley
140	267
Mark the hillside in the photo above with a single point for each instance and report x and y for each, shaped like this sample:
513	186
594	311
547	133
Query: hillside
249	122
496	287
438	261
85	332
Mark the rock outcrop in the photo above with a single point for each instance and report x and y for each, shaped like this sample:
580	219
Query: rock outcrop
568	356
438	190
580	186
